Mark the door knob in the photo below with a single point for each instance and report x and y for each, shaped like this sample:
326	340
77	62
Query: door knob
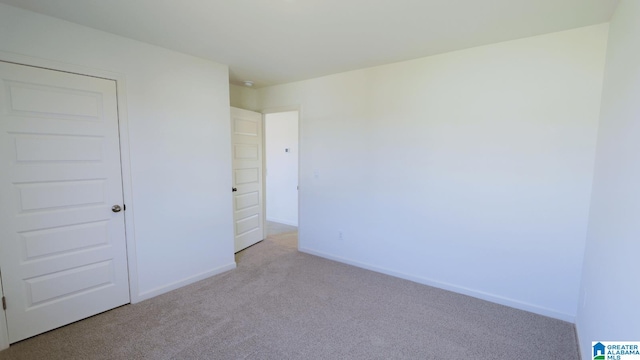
234	189
116	208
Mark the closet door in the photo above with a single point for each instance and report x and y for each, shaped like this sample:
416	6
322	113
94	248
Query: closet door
62	233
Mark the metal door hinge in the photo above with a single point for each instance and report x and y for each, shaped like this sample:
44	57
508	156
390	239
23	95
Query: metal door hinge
4	303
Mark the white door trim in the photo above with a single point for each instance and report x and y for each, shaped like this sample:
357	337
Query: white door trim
273	110
123	126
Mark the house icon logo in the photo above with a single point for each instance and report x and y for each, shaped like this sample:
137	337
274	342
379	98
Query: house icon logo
598	351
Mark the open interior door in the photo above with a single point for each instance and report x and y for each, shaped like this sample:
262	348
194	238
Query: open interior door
246	150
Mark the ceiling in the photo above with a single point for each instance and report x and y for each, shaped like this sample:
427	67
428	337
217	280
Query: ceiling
279	41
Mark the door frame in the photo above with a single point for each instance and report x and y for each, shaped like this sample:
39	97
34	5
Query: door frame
264	113
125	163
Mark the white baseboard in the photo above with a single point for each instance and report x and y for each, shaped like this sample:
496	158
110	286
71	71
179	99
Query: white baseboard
281	221
450	287
180	283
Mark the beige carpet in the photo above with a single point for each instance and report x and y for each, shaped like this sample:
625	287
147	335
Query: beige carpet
282	304
274	228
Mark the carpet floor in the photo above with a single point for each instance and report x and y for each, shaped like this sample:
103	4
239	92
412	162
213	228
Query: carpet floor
283	304
274	228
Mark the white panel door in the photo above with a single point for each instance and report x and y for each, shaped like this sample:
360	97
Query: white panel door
63	252
246	143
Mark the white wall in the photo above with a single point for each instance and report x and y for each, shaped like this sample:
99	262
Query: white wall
610	292
470	170
243	97
281	132
178	116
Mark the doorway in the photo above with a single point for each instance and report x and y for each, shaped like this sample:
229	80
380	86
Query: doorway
281	170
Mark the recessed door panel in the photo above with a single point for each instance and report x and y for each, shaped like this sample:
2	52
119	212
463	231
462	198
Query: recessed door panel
47	288
243	125
57	241
247	224
247	176
60	194
52	101
244	201
246	151
57	148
